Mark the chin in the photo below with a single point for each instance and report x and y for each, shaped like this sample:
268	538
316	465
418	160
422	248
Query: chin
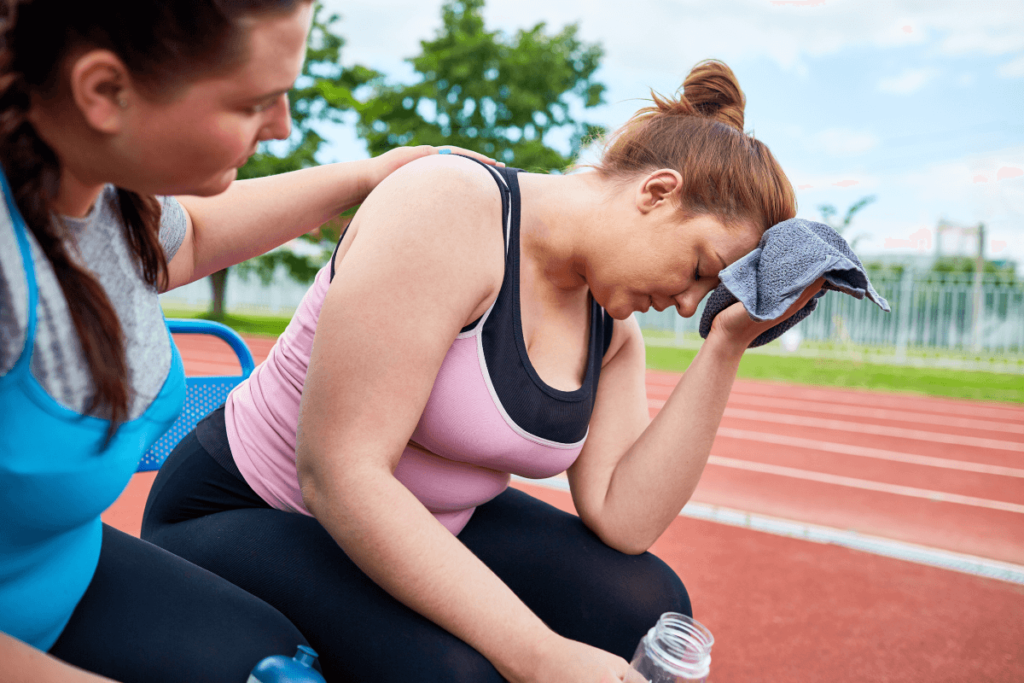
621	313
214	186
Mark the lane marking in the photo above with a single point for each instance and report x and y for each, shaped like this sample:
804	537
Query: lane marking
865	452
930	404
880	413
826	399
865	484
860	428
875	545
882	430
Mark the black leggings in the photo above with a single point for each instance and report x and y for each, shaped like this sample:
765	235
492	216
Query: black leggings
150	616
579	586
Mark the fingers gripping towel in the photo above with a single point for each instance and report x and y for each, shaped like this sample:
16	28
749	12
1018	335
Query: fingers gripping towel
790	256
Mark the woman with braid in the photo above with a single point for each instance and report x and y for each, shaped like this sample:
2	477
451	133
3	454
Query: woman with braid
107	108
476	322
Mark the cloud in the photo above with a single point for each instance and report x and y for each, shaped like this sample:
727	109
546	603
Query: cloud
910	80
817	182
654	32
1012	69
843	142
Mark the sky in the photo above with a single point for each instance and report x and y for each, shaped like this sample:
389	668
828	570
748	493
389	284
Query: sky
920	103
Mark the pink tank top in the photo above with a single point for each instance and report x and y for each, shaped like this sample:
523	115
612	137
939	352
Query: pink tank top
488	415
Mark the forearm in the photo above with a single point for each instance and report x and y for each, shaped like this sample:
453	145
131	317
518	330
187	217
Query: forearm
25	664
657	475
390	535
253	216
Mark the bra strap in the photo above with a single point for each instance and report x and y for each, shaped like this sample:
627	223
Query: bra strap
21	233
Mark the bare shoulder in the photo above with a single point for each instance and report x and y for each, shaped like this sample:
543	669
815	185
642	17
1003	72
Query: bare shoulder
453	194
433	226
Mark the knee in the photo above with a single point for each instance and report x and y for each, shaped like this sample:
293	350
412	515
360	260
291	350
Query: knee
660	590
267	632
635	600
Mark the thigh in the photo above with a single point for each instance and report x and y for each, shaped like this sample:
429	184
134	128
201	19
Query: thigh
580	587
201	512
360	631
151	616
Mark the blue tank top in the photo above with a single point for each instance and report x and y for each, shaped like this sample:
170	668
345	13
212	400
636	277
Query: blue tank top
57	474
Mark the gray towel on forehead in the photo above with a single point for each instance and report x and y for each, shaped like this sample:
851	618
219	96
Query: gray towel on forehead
790	256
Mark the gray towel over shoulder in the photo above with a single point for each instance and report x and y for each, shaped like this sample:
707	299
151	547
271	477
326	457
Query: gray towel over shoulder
790	256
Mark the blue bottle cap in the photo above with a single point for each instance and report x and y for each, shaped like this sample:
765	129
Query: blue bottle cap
305	656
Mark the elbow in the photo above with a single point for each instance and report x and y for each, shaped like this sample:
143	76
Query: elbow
620	537
310	485
631	546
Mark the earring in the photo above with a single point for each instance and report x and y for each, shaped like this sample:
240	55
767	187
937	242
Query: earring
122	102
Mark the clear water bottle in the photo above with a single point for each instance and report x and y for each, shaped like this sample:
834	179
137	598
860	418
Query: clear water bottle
282	669
676	650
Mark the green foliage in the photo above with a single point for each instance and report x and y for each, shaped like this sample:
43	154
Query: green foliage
323	92
495	94
479	90
878	269
829	216
1001	271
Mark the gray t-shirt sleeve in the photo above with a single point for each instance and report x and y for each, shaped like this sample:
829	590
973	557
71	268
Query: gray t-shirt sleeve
172	226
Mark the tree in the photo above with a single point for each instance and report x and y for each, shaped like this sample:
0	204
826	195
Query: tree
499	95
323	92
829	216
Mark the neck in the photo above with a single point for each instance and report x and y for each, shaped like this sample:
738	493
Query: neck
560	216
76	198
77	148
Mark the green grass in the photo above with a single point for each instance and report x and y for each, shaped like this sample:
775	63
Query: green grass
255	325
881	355
980	386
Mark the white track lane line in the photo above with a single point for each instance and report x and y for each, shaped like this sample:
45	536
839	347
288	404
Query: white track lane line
878	413
864	452
998	411
900	550
864	484
862	428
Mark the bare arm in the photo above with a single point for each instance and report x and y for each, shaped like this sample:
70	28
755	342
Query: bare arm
369	378
23	663
635	474
253	216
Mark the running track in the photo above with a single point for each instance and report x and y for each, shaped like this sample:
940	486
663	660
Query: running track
931	472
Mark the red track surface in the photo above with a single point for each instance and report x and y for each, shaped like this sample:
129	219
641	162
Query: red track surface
935	472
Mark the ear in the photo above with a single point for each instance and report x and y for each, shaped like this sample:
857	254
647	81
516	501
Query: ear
658	189
101	88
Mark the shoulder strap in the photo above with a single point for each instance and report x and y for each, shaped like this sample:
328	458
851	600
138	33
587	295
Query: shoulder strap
21	233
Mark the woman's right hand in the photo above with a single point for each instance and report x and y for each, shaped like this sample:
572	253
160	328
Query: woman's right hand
735	325
568	661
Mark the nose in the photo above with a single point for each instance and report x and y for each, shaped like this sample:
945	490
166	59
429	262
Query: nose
688	304
279	123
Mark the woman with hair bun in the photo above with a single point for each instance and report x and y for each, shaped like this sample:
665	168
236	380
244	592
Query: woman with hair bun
476	322
106	108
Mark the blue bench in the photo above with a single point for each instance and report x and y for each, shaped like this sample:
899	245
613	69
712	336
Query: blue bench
202	394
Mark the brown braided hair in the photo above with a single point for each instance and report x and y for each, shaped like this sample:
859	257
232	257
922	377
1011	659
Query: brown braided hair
159	41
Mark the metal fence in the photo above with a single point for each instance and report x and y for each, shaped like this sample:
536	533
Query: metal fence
928	310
